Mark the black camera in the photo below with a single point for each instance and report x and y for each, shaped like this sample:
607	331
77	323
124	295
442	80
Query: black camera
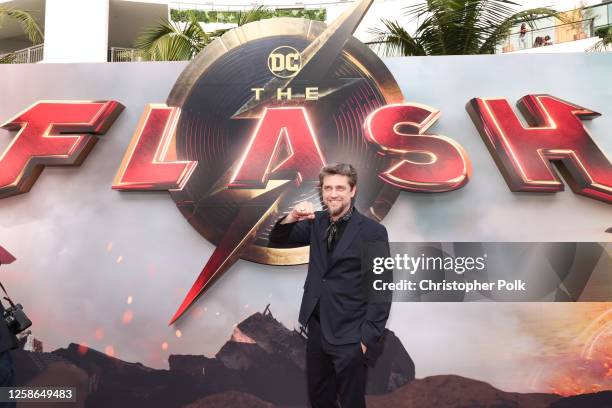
14	316
16	319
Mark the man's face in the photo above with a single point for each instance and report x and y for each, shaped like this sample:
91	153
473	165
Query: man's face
337	194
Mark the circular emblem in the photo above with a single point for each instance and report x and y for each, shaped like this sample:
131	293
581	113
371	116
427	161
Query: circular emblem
284	62
223	79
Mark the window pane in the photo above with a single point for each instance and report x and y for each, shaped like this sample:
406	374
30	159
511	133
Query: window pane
599	13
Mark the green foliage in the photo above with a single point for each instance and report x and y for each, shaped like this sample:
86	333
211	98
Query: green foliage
171	41
603	32
7	58
26	20
310	14
454	27
28	24
183	40
233	17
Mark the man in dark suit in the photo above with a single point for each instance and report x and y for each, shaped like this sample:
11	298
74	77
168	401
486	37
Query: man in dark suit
342	324
8	340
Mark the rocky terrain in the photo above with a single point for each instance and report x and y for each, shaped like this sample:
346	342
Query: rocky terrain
262	361
262	365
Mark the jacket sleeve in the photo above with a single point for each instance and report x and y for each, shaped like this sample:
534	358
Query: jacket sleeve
295	233
377	312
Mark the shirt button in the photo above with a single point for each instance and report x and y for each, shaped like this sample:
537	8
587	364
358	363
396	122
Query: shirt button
323	280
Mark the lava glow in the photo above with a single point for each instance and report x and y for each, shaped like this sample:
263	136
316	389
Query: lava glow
99	333
239	337
581	376
83	348
577	353
127	317
109	351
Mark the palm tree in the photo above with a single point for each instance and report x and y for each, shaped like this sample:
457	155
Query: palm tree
454	27
179	41
29	25
172	41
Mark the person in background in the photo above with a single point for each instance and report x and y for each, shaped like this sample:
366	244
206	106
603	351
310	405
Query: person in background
548	40
539	41
523	36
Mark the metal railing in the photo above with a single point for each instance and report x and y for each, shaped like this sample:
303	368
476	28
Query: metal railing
119	54
34	54
30	55
541	37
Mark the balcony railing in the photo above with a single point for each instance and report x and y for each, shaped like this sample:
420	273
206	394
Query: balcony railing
34	54
28	55
542	37
119	54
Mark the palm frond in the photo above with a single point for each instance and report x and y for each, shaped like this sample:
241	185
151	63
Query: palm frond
254	14
454	27
7	58
395	40
172	41
179	41
27	21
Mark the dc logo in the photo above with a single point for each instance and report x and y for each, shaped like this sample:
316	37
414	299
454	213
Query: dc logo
284	62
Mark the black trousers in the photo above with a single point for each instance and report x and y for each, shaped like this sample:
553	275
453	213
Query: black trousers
334	372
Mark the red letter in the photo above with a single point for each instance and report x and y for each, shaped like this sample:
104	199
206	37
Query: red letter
42	139
149	163
556	133
265	157
426	162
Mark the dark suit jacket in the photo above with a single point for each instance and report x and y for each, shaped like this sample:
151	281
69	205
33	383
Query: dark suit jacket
336	281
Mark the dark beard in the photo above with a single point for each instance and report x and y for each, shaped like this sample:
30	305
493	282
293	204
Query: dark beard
337	212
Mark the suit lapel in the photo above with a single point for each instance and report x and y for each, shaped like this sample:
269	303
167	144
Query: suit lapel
322	241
